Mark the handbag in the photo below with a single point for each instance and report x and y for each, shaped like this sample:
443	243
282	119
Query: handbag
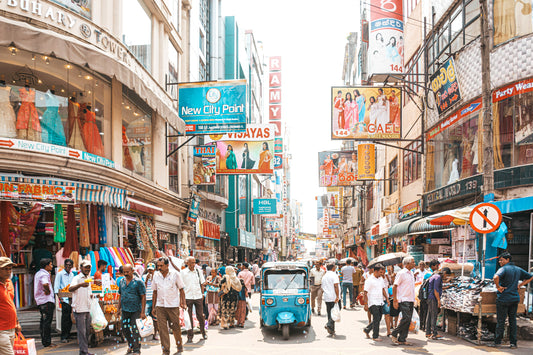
211	288
23	346
145	326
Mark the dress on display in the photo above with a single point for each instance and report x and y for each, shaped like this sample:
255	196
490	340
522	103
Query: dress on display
128	163
28	125
8	120
53	131
75	140
91	135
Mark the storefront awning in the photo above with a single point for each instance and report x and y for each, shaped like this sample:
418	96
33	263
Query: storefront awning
401	228
422	226
144	207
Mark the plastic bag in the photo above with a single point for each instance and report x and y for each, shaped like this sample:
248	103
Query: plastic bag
249	304
414	327
336	313
98	321
23	346
145	326
184	316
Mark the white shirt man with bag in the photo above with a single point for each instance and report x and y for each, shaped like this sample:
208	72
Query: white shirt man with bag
194	293
331	288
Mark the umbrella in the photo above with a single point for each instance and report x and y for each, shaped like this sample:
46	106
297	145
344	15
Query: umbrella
333	261
343	261
388	259
458	217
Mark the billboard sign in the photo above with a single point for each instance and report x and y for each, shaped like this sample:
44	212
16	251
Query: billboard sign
445	86
366	113
214	107
337	168
273	225
249	152
247	239
367	161
204	165
21	191
385	53
264	206
192	216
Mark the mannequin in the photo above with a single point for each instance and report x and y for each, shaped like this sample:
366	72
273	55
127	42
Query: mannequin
28	124
454	175
53	131
75	140
91	134
8	119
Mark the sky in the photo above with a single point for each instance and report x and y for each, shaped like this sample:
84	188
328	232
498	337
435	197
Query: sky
310	36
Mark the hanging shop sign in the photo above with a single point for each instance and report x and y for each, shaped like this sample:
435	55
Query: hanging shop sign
19	191
38	147
207	229
246	239
307	236
249	152
273	225
278	161
367	161
337	168
413	209
464	187
204	165
385	53
463	112
193	209
274	95
445	86
366	113
215	107
264	206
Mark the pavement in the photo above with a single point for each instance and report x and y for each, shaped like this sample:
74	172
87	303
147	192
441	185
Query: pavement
251	339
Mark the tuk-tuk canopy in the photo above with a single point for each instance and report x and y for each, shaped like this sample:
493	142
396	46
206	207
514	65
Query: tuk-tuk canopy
285	265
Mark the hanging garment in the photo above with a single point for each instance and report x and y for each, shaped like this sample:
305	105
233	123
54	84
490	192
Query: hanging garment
93	224
75	139
71	244
91	135
28	125
102	228
84	227
53	131
8	120
60	235
126	157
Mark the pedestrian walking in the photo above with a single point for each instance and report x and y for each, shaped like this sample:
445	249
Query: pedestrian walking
366	275
248	277
212	284
403	294
168	296
63	279
388	310
45	299
347	272
256	270
101	269
507	280
241	312
317	273
9	324
133	306
230	286
433	301
81	305
376	297
331	288
193	281
148	280
356	281
421	274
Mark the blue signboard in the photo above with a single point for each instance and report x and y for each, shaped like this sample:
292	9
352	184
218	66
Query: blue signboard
265	206
213	107
246	239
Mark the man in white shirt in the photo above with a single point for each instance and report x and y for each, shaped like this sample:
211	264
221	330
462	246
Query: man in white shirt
403	295
331	288
63	279
167	297
193	281
81	305
43	293
316	288
375	296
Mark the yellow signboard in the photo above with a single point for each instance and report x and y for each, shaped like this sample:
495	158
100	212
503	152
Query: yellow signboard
366	161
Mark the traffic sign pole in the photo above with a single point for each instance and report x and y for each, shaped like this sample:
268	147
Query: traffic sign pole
485	218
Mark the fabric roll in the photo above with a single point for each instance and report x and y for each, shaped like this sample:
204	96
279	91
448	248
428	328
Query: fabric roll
93	225
84	227
60	235
71	243
102	226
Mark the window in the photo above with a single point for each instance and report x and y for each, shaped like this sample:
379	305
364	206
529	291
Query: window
137	32
203	71
393	175
172	73
174	6
511	19
173	160
412	163
201	44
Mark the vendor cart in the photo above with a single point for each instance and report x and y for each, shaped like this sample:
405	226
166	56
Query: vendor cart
109	302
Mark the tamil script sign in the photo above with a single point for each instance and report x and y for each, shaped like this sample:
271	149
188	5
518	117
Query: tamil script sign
20	191
215	107
445	86
264	206
337	168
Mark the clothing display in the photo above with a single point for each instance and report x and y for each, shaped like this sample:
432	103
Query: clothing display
75	138
91	134
8	120
84	227
60	234
28	124
126	155
52	127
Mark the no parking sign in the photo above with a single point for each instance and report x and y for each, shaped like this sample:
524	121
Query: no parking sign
485	218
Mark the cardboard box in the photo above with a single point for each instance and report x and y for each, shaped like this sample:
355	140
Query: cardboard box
452	324
491	308
431	249
488	297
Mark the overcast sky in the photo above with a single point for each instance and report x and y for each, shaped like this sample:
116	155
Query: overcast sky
310	36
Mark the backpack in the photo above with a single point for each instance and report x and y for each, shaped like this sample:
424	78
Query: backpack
423	292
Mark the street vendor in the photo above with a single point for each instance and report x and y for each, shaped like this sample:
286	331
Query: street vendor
102	265
81	296
64	279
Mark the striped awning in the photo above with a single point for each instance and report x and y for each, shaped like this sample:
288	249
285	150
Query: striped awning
85	192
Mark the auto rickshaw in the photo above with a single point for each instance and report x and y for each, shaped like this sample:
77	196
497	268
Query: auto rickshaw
285	297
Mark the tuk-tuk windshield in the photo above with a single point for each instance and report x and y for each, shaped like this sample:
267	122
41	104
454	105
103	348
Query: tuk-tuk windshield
284	279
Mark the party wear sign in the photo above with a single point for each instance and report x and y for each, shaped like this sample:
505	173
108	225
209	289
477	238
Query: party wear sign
337	168
213	107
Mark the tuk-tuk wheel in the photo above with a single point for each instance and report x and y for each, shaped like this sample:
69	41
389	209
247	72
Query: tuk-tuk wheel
285	332
261	323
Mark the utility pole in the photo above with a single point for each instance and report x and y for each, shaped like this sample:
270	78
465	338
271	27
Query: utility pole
488	153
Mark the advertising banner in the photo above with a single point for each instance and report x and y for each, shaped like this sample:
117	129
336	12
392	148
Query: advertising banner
307	236
249	152
215	107
21	191
385	53
367	161
278	161
264	206
445	86
204	165
82	7
273	225
337	168
366	113
192	216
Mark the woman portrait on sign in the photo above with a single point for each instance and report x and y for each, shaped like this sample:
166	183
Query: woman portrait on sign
264	158
231	160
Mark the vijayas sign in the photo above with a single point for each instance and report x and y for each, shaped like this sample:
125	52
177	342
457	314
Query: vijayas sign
265	206
215	107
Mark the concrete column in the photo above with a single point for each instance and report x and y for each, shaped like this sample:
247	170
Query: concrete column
116	122
155	48
159	166
117	17
96	12
163	54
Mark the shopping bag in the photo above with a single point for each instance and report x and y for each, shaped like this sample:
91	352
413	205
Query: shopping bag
249	304
336	313
98	321
145	326
415	322
361	299
185	321
23	346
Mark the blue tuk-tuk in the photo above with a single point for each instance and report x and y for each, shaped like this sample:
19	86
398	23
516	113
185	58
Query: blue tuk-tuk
285	297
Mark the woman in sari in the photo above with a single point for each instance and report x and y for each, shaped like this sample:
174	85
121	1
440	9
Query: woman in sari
264	158
213	288
240	313
230	286
231	160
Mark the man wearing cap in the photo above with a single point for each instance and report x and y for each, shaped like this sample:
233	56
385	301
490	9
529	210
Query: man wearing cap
148	279
9	323
81	306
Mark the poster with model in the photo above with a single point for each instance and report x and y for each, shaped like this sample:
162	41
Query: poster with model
337	168
204	165
385	52
250	152
366	113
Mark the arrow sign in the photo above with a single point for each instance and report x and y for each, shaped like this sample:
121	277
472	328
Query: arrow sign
73	153
485	218
6	143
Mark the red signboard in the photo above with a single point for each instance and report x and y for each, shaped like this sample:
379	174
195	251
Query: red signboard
275	64
275	96
381	9
274	79
520	87
458	115
274	112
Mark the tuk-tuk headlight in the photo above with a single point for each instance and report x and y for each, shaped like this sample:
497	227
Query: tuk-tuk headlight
270	301
300	300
